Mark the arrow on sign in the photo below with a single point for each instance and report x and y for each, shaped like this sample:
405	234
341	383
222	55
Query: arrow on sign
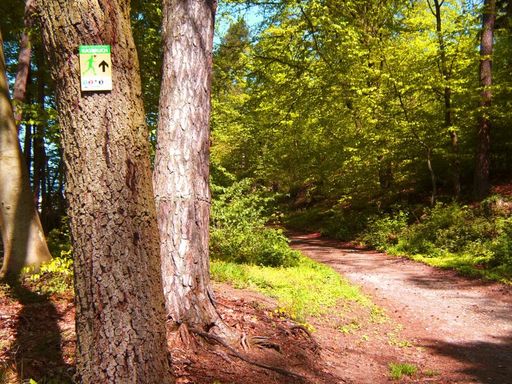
103	65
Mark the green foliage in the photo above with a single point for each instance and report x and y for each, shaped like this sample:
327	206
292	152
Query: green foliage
338	223
398	370
305	289
384	231
501	245
59	240
238	231
56	276
474	240
445	228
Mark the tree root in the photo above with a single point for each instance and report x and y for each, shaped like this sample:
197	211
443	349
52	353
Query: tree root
242	357
299	327
262	341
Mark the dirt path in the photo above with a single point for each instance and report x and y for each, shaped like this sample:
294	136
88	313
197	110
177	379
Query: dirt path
465	325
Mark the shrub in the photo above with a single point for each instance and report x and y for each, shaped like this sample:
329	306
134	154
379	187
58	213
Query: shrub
445	228
56	276
385	231
502	244
238	231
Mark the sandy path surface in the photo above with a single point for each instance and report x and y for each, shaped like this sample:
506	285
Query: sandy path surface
465	325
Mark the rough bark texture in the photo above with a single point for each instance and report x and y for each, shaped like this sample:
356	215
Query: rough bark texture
120	314
182	163
481	179
22	234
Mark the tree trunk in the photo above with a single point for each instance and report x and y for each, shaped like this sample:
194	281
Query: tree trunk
23	238
23	70
481	179
120	313
27	147
432	177
448	123
39	175
182	163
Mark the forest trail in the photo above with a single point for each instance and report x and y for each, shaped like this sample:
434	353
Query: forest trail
464	325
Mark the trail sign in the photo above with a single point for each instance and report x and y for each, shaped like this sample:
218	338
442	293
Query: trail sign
95	68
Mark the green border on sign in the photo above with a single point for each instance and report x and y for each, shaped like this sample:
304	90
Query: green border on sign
94	49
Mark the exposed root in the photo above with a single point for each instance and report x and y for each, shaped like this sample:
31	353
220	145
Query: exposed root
306	333
242	357
244	343
223	356
264	342
183	338
302	328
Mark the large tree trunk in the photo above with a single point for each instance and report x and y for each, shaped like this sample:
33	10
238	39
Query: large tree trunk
481	179
120	314
182	163
22	234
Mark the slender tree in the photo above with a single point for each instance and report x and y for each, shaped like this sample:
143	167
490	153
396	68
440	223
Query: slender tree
120	313
23	70
22	235
446	74
182	163
481	178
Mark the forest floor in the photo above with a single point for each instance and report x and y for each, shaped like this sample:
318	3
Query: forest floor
450	329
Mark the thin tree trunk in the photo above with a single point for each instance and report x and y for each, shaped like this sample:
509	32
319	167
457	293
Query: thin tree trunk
447	94
22	235
39	179
182	163
23	70
27	147
481	179
120	313
432	177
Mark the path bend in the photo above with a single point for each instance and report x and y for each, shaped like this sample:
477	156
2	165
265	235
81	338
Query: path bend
466	324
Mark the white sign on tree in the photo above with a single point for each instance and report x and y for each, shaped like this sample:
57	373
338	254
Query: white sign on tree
95	68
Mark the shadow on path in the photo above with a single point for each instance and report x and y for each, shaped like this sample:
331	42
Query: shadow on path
487	362
36	352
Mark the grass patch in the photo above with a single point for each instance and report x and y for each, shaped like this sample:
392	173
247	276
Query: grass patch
307	289
465	264
399	370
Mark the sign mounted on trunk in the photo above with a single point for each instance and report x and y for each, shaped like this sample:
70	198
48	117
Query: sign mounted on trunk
95	68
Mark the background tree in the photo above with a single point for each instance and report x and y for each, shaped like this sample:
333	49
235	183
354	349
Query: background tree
119	302
482	165
22	235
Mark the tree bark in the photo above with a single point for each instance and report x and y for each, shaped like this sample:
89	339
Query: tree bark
22	234
182	163
481	179
120	314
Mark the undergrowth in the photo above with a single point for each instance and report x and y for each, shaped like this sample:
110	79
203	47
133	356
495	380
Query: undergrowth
239	231
399	370
475	241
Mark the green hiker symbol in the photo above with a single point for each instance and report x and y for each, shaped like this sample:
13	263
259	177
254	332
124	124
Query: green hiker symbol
90	65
